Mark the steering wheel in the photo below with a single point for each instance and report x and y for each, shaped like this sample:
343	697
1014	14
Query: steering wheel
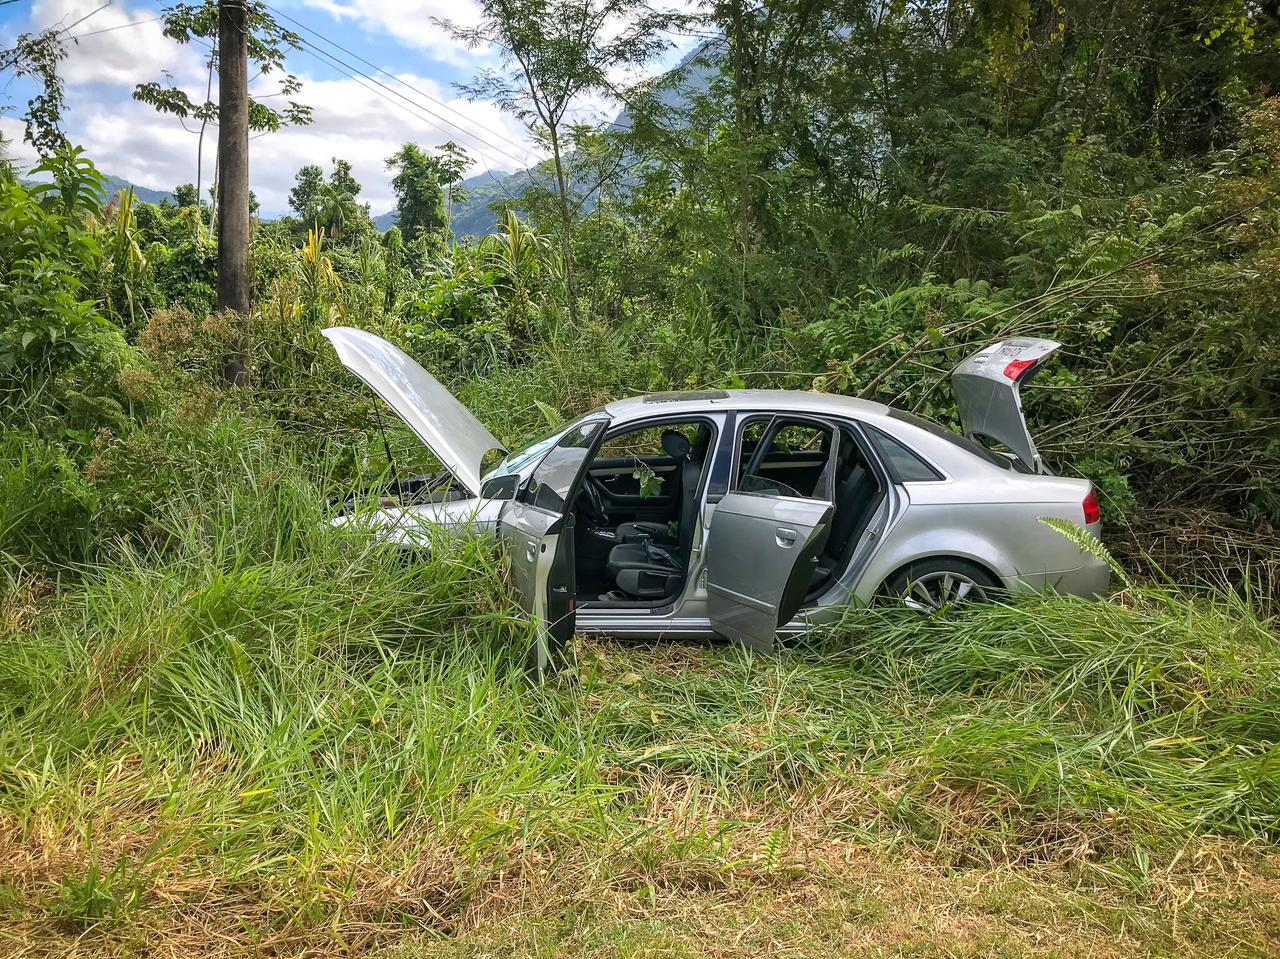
596	511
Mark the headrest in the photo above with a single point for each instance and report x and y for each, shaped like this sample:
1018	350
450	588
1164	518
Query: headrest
848	451
675	444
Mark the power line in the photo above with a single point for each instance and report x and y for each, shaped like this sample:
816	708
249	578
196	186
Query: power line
313	50
378	69
91	13
334	61
353	72
118	26
60	31
414	109
76	23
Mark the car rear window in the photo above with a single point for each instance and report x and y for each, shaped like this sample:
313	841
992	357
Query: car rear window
905	465
955	439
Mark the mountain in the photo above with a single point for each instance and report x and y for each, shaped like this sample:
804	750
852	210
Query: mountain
696	71
114	185
117	185
474	218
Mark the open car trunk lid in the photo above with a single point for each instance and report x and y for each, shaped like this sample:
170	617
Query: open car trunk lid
450	430
986	388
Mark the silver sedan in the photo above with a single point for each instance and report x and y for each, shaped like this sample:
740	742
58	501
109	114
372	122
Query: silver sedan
744	513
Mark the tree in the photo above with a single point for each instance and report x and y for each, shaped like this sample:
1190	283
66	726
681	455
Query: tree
330	204
553	53
335	209
341	178
36	57
186	195
267	44
233	164
304	198
421	184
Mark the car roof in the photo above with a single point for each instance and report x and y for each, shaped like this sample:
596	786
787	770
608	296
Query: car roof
945	452
768	401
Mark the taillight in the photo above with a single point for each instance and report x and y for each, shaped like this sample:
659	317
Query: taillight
1017	367
1092	512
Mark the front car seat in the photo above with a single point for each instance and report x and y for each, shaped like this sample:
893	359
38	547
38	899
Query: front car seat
690	456
651	568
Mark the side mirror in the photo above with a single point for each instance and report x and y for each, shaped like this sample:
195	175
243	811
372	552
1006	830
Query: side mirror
501	487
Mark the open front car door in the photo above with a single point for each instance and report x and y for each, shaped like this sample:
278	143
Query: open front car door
986	387
536	528
765	536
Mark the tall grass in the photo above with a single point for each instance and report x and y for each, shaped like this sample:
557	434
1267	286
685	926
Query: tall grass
290	724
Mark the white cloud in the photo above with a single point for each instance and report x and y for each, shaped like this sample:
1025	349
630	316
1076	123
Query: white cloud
110	50
355	123
353	119
411	23
131	140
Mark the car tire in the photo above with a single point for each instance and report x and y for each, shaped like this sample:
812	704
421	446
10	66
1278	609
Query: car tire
935	586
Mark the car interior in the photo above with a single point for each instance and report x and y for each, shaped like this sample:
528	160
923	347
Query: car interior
638	506
638	509
858	491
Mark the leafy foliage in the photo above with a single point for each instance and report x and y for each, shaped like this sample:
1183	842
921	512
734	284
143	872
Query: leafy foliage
421	183
333	748
268	46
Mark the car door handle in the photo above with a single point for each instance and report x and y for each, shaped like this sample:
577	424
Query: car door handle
530	553
786	537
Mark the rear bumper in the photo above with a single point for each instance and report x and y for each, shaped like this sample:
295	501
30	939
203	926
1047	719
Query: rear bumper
1089	581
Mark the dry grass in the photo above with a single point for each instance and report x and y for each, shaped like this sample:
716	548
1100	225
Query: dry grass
1206	546
821	893
787	877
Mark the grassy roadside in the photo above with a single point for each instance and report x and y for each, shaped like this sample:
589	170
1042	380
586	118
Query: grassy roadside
258	736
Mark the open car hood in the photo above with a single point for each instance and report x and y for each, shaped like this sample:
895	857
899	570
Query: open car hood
986	387
450	430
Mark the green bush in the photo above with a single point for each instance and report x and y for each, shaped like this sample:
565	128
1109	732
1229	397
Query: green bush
47	508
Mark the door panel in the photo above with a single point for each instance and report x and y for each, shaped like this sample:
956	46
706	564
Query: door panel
523	529
536	530
797	470
758	547
620	488
541	549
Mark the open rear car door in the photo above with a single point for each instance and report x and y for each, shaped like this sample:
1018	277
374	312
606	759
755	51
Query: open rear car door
764	542
536	529
986	388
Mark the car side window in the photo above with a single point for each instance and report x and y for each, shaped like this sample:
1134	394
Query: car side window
904	464
637	444
550	483
792	462
752	434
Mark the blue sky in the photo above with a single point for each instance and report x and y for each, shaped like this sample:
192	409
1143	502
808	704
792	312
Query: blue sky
110	52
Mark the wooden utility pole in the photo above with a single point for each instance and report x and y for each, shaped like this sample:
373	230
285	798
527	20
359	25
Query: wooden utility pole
233	168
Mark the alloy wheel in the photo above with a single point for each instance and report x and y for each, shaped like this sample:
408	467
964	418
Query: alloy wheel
935	593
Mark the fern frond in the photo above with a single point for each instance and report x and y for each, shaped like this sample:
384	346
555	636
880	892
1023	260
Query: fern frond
1087	543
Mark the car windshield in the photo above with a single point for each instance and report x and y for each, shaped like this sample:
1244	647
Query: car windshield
514	462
